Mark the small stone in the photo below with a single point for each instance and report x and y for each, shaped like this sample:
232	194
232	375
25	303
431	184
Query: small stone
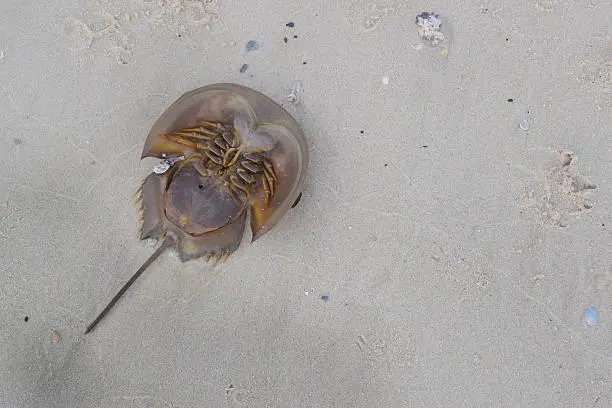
290	24
243	68
55	337
252	45
325	298
385	80
566	158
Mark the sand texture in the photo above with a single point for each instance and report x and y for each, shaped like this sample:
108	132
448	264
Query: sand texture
455	225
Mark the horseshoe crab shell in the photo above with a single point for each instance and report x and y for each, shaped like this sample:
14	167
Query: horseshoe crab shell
234	152
228	151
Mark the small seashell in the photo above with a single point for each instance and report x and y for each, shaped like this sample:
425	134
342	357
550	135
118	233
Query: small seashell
591	316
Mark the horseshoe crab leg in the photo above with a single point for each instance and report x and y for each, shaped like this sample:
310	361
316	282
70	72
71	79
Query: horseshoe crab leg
168	242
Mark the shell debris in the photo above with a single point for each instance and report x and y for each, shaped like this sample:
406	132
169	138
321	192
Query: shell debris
428	26
55	337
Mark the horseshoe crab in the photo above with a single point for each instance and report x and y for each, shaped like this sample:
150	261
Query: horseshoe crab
227	152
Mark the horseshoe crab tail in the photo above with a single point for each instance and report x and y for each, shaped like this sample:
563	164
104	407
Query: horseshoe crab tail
168	241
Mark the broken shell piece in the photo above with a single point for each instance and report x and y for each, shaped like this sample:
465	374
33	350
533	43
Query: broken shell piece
164	165
55	337
161	167
428	26
295	93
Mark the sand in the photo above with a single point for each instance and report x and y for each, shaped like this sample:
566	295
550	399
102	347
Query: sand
444	251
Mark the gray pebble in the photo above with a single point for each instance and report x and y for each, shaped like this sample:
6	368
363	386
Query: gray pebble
252	45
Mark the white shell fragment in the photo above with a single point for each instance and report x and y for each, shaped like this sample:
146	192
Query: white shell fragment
161	167
294	95
428	26
164	165
524	125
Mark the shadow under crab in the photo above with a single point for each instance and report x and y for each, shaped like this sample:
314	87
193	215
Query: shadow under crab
230	153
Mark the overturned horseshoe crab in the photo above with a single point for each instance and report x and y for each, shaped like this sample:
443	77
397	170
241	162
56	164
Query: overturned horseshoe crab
227	152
